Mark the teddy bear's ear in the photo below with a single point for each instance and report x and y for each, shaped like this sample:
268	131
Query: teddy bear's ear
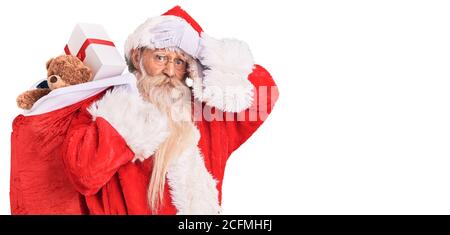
86	74
48	63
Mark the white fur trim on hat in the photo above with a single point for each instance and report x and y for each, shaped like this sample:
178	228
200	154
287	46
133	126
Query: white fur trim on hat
140	123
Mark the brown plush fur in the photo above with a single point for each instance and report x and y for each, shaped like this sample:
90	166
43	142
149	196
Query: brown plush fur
64	70
28	98
70	69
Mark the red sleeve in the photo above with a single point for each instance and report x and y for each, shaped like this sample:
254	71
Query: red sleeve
244	124
92	153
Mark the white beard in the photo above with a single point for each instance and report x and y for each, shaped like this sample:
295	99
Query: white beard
170	95
178	159
173	99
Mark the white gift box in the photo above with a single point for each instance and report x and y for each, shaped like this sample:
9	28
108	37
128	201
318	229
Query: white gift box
92	45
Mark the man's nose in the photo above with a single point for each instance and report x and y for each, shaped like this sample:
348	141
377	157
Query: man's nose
169	70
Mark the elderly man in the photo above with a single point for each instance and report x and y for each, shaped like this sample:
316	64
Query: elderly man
164	148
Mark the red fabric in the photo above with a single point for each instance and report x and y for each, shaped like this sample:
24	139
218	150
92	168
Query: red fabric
82	51
65	163
39	184
178	11
219	139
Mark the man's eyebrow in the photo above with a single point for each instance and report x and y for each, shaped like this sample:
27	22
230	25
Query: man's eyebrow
181	56
176	56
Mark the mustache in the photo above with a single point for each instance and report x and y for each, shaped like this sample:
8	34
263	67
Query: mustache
160	81
162	89
163	80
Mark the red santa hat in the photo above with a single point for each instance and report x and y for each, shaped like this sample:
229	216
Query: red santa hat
221	67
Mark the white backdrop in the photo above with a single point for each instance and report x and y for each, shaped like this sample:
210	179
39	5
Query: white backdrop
362	125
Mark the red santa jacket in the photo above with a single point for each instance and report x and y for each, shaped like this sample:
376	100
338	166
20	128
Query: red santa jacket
77	159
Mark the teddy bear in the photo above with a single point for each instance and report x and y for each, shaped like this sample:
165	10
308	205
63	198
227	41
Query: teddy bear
62	71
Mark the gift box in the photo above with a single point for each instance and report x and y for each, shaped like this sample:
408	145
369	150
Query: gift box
92	45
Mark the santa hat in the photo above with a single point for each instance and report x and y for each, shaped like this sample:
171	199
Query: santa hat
221	67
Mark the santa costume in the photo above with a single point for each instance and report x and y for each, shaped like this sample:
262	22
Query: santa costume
73	152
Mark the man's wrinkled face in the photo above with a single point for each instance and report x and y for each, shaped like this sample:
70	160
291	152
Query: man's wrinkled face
160	81
161	62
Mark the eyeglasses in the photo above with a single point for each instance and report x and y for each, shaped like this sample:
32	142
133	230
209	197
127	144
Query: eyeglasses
162	59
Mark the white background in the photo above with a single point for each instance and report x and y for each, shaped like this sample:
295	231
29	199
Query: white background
362	125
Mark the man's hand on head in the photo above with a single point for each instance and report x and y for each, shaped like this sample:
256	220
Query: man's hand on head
176	33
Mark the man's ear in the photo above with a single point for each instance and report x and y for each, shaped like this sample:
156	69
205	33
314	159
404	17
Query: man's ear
135	57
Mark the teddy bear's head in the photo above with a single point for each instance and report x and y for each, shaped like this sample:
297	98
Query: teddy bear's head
66	70
62	71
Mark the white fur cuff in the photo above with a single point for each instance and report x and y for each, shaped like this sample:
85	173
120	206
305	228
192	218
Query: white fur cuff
224	81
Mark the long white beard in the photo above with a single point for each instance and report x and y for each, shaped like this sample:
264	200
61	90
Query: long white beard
172	98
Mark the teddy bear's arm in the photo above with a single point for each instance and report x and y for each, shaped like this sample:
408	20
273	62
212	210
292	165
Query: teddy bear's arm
28	98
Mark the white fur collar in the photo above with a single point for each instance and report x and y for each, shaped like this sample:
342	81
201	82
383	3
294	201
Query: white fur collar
193	189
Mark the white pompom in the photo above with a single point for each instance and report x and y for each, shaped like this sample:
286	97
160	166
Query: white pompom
189	82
